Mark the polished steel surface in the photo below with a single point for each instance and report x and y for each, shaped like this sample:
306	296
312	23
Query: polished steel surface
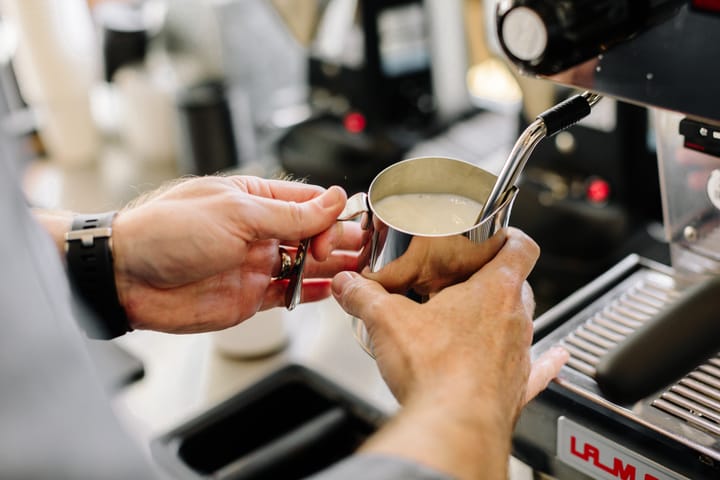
690	218
514	164
434	261
390	244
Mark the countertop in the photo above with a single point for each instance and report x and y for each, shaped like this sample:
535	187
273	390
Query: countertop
187	374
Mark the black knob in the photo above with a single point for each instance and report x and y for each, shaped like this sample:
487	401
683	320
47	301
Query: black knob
548	36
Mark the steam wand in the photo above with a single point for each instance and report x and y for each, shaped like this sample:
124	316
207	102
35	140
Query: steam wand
547	124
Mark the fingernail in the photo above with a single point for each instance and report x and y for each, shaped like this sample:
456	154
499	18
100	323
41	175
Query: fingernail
340	280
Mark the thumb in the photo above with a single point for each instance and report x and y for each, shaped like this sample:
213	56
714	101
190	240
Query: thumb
289	220
360	297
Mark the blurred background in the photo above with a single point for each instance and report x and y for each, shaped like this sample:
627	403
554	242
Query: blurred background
110	98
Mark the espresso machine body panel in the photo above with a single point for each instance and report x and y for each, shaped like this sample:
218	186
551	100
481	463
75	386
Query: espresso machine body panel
663	56
690	182
672	64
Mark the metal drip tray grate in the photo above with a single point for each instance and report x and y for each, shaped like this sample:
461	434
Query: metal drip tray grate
696	398
609	326
688	411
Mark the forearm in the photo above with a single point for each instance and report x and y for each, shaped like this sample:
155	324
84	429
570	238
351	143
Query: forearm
467	442
56	223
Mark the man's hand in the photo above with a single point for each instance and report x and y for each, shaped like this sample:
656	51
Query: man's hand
433	263
202	254
459	363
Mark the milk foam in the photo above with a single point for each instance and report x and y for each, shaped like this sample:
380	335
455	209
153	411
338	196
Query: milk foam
428	213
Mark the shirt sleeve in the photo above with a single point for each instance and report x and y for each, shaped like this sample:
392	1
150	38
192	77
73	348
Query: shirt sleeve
379	467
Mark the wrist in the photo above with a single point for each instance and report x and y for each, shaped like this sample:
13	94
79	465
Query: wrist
120	260
463	439
470	397
470	411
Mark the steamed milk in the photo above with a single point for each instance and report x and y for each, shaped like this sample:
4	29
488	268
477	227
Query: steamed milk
428	213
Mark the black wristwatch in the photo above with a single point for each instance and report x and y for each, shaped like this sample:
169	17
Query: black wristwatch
88	248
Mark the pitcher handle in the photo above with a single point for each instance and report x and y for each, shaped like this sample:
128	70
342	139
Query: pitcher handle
356	205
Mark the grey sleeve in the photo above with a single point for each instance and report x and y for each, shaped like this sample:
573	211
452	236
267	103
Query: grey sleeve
56	421
379	467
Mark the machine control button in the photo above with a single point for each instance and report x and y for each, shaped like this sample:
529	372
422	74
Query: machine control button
698	136
524	34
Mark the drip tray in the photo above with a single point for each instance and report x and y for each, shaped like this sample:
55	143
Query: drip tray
289	425
678	426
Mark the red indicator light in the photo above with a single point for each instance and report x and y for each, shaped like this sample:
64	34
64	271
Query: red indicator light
597	191
354	122
694	146
708	5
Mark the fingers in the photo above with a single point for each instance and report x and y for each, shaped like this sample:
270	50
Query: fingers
528	299
520	251
506	273
397	276
544	369
364	298
284	190
273	218
342	236
312	291
336	262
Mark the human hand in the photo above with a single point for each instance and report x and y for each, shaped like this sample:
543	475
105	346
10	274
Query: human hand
471	339
432	263
458	363
201	255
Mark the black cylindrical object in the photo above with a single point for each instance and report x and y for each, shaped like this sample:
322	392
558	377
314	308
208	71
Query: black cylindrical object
124	36
665	348
546	36
206	130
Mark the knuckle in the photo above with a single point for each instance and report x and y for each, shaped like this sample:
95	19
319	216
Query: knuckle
523	242
295	214
509	278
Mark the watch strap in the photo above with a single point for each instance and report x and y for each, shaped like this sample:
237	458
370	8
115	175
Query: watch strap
90	266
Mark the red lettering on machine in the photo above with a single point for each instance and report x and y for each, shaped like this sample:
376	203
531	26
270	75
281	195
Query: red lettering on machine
619	469
604	459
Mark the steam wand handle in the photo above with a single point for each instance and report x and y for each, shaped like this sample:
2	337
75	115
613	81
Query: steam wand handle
547	124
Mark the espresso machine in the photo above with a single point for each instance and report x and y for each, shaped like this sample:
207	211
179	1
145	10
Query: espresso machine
639	398
376	88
